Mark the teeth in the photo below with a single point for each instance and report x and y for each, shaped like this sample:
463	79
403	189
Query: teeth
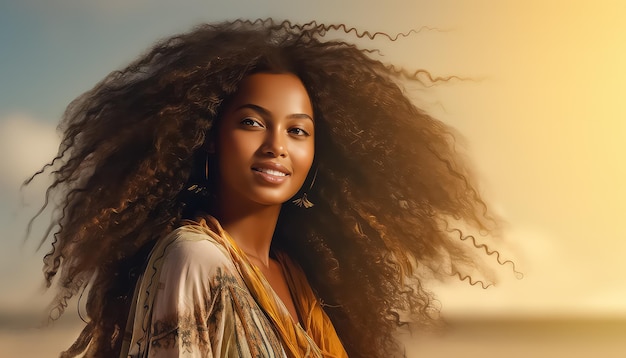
272	172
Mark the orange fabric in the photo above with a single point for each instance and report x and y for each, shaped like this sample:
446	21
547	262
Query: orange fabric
316	323
318	338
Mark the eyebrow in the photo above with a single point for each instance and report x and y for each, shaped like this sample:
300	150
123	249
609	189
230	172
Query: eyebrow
267	113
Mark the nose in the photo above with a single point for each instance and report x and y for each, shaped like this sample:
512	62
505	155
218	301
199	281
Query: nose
274	144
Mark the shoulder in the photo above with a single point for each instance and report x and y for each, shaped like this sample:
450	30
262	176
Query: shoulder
187	250
192	244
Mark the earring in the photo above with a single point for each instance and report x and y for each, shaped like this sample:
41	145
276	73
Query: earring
303	201
206	168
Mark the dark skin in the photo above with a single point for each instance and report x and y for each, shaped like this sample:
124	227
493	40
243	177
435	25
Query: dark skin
265	149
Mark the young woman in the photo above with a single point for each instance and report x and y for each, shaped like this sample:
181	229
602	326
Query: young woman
250	190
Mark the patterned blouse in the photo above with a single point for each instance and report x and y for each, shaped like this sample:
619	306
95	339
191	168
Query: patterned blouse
201	297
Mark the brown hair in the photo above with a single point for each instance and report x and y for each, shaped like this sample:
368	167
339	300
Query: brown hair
389	181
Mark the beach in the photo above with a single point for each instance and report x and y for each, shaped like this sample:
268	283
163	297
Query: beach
467	338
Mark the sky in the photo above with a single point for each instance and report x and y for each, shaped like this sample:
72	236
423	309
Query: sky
543	119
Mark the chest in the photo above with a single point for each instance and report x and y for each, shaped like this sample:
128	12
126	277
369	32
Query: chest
276	278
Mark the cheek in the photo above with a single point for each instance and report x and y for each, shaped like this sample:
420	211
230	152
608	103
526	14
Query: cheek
235	147
303	156
230	158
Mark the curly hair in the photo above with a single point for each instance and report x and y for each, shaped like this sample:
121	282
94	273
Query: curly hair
389	181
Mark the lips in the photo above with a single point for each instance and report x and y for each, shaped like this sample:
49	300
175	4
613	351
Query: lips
271	168
271	173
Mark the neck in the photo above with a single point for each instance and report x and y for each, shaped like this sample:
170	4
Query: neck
252	228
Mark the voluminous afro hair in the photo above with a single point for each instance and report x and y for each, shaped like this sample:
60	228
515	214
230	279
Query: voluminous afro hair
388	191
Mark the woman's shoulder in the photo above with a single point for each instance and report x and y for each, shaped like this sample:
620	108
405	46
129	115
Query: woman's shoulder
191	248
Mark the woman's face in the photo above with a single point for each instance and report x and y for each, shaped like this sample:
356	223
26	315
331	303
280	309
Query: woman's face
265	140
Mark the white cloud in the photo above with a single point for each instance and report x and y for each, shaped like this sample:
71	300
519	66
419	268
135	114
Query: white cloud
26	144
555	283
607	300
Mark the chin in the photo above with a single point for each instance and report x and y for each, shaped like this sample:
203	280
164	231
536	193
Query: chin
271	200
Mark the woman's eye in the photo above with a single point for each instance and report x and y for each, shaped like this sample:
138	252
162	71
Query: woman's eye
299	132
250	122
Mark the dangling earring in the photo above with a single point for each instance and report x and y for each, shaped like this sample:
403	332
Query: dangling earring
202	189
303	201
206	168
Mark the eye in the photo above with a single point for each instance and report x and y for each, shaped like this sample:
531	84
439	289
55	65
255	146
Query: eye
251	122
299	132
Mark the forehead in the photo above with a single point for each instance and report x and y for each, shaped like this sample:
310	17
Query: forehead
283	93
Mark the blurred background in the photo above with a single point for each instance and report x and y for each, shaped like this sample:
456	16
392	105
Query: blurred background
543	120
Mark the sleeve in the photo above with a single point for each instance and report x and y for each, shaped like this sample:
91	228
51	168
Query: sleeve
188	317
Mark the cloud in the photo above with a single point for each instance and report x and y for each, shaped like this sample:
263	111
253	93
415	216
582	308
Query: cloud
551	283
26	144
606	300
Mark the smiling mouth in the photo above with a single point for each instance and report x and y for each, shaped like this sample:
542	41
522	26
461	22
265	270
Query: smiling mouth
271	172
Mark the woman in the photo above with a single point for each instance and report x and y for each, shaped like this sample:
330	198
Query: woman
248	189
